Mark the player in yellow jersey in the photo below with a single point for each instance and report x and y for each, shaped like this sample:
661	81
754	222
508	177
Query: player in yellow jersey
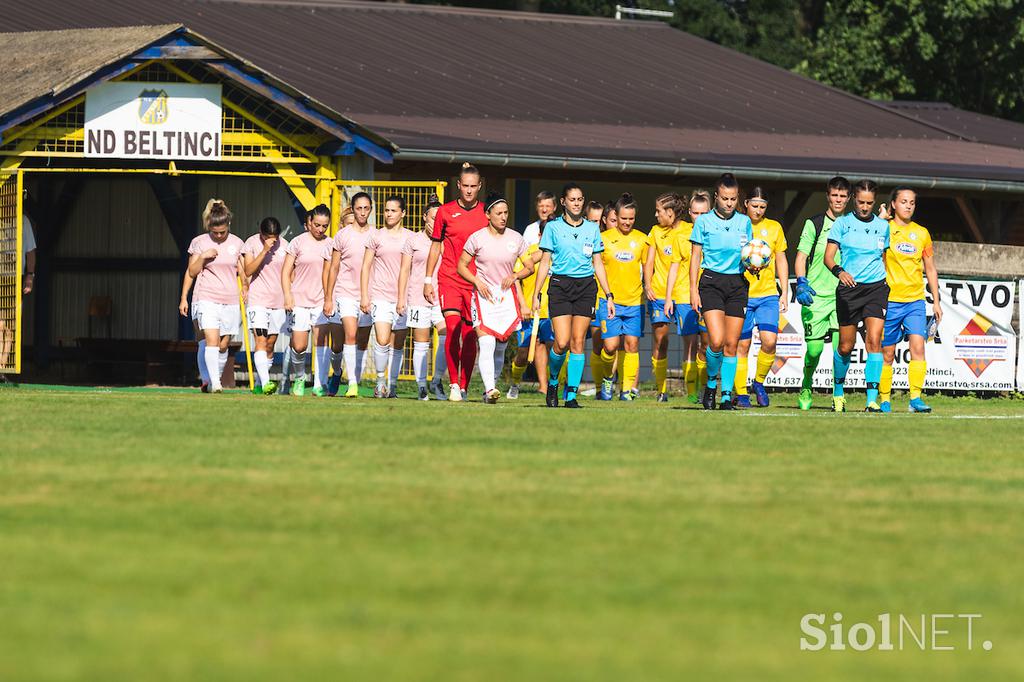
691	327
606	221
908	260
624	252
545	335
766	300
662	244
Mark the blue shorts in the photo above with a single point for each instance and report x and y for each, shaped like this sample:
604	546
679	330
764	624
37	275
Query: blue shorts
544	332
763	313
628	320
688	321
904	319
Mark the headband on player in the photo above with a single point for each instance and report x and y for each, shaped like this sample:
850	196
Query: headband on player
493	199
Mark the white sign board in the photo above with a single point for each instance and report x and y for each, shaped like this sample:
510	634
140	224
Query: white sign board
975	348
169	121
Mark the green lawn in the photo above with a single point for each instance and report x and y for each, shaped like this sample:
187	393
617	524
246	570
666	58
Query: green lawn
156	535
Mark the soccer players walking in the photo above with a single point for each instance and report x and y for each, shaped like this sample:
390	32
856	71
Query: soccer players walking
766	300
529	260
350	326
908	259
662	242
455	222
678	307
624	252
497	296
863	294
816	286
380	295
264	256
572	249
215	263
423	317
302	281
718	289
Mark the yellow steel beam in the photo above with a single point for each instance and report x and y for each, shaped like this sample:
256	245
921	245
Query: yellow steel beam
18	274
13	159
283	139
296	185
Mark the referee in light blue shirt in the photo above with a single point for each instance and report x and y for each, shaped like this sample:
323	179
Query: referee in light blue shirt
571	247
720	295
863	294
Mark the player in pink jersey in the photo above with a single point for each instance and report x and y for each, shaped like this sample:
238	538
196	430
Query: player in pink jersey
379	295
350	327
423	316
215	263
264	256
495	251
302	281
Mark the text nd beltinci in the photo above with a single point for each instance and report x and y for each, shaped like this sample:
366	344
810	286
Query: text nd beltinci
893	632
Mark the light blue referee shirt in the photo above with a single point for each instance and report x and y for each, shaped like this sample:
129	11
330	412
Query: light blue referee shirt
572	249
863	243
721	241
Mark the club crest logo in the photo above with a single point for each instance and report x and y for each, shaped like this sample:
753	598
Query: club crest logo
153	107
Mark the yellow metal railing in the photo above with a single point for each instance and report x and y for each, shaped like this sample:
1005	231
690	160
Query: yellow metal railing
11	266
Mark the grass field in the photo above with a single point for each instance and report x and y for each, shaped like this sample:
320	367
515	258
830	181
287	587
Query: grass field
155	535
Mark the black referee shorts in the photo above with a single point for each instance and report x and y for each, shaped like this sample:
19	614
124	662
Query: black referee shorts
571	296
723	292
854	304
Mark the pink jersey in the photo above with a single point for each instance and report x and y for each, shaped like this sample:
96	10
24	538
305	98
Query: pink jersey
307	277
217	282
495	254
418	246
351	244
265	286
387	263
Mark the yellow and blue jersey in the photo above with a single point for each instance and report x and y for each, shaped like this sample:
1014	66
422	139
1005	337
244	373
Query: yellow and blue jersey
863	243
530	282
666	242
721	241
771	232
623	257
682	249
904	261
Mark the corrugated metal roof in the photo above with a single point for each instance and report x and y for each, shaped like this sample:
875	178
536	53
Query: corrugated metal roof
968	124
460	79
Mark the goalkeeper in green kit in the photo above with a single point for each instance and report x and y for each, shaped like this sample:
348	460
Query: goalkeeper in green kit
816	286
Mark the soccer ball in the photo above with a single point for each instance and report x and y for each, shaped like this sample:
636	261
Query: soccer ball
756	255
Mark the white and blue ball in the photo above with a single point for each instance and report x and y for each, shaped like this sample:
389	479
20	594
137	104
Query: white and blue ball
756	255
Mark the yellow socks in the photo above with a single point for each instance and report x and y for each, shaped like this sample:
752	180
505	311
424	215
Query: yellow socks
563	372
885	384
517	372
660	367
690	373
764	365
702	373
915	377
742	368
629	368
608	360
597	368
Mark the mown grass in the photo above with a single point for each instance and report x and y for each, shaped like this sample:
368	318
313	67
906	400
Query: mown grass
169	535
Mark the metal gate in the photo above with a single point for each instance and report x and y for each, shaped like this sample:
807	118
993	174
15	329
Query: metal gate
11	271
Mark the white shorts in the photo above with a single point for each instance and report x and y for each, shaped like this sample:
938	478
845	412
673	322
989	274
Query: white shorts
333	319
349	307
226	317
271	320
386	311
424	316
302	319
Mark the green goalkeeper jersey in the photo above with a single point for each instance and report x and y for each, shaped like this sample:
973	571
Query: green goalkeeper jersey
818	276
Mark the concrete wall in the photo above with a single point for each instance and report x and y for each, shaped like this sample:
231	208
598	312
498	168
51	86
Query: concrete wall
979	260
